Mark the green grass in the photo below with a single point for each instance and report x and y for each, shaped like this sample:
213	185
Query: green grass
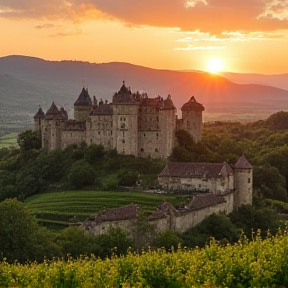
8	140
60	207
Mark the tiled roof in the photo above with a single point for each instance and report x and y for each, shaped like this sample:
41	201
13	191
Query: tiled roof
83	99
192	105
205	200
54	113
124	96
116	214
40	114
157	215
162	211
199	170
243	163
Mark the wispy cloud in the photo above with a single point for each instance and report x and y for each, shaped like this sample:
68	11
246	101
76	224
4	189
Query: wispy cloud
210	16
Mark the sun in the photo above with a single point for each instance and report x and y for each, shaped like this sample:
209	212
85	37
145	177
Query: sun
215	65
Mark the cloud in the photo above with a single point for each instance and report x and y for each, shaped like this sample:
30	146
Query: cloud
211	16
46	26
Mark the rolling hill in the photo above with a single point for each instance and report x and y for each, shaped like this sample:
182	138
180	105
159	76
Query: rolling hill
26	82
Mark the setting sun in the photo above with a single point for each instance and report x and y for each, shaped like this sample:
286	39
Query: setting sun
215	65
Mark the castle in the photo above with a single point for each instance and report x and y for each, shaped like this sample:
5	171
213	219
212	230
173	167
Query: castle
132	123
218	188
135	124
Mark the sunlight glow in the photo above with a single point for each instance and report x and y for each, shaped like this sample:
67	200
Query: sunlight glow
215	65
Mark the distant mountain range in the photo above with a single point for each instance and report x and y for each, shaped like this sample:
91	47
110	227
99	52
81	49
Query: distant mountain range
26	82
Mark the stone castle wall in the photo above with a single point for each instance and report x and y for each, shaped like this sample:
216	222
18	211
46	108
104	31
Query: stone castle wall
179	223
133	124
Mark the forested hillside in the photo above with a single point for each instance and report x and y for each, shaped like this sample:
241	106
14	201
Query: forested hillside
28	170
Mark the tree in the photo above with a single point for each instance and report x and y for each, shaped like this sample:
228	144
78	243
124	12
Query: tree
251	219
94	153
116	241
17	227
81	174
167	239
74	242
217	226
28	140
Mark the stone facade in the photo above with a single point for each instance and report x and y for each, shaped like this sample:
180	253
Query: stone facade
132	123
218	188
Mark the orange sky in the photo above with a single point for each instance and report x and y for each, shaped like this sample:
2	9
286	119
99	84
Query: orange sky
248	35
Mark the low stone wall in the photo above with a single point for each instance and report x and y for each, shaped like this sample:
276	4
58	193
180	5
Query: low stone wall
177	221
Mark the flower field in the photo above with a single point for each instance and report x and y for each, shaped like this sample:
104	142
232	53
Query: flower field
259	263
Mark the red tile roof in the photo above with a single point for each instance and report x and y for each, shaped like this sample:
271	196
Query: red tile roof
199	170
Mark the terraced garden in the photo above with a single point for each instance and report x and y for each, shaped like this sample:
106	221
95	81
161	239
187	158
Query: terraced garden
58	209
8	140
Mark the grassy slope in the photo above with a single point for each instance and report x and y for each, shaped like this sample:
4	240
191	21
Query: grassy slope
8	140
60	207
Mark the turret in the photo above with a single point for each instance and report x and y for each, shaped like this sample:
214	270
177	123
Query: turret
82	105
243	182
192	118
52	129
37	120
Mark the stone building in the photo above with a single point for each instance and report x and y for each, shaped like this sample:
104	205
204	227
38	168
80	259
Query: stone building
215	178
217	188
132	123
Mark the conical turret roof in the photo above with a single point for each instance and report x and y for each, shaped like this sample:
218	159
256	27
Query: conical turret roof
168	103
243	163
192	105
83	99
40	114
53	113
124	96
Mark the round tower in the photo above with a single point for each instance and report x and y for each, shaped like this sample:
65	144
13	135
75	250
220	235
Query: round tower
82	105
243	182
192	118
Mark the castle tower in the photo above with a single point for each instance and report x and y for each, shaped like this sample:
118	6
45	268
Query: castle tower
82	105
156	127
125	121
37	120
52	128
192	118
243	181
167	123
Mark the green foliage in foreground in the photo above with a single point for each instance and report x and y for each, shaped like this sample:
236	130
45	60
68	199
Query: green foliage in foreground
259	263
